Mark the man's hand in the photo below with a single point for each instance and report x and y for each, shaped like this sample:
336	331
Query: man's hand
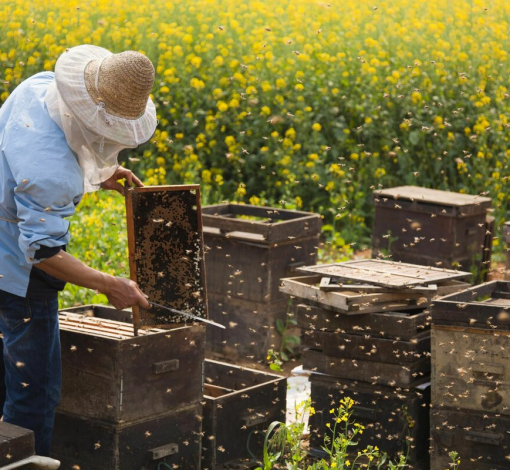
123	293
121	174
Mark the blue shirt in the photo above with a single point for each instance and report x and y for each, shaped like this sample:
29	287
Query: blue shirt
40	183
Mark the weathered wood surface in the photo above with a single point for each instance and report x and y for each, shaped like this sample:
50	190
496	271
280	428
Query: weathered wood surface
250	328
433	228
386	413
482	306
348	303
16	444
471	368
366	347
131	378
173	438
251	270
328	284
385	273
166	256
466	203
403	325
394	375
481	439
277	224
240	404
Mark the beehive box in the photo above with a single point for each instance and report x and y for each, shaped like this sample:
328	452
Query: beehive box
431	227
173	438
482	306
401	326
250	328
470	368
481	439
395	375
16	444
506	238
393	418
113	376
366	347
240	404
249	248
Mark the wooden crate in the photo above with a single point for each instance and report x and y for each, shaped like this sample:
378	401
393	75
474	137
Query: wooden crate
367	348
395	375
249	248
309	290
403	325
482	306
390	274
16	444
430	227
116	377
384	412
470	368
240	404
250	328
173	438
481	439
506	238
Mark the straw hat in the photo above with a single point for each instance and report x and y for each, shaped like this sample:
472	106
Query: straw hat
124	83
109	93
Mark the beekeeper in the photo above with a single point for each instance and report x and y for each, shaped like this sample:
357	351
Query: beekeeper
60	135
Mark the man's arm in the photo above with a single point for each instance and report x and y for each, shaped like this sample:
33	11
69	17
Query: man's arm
122	293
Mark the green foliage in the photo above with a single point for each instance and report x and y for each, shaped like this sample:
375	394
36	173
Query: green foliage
283	444
300	104
99	239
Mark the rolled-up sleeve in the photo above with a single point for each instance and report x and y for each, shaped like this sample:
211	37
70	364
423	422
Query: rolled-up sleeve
42	204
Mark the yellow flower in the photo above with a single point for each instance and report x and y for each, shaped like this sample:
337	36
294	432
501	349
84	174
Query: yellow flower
316	127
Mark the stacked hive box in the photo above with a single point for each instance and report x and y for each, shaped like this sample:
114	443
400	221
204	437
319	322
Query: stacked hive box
128	403
248	249
470	378
372	344
506	238
433	228
240	404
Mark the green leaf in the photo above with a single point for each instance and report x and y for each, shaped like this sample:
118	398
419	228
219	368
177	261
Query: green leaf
414	137
280	326
275	367
284	356
292	339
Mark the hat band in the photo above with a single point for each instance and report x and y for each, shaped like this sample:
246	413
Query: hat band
97	74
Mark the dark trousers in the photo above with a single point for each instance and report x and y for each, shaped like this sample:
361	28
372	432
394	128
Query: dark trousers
31	370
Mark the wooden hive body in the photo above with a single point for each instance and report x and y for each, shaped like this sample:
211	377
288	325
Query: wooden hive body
16	444
470	368
130	378
431	226
240	404
481	439
250	327
173	438
245	258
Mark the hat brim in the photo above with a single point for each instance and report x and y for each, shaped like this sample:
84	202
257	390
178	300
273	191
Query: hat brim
70	81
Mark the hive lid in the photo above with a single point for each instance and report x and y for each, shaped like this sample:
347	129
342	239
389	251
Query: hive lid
385	273
434	196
